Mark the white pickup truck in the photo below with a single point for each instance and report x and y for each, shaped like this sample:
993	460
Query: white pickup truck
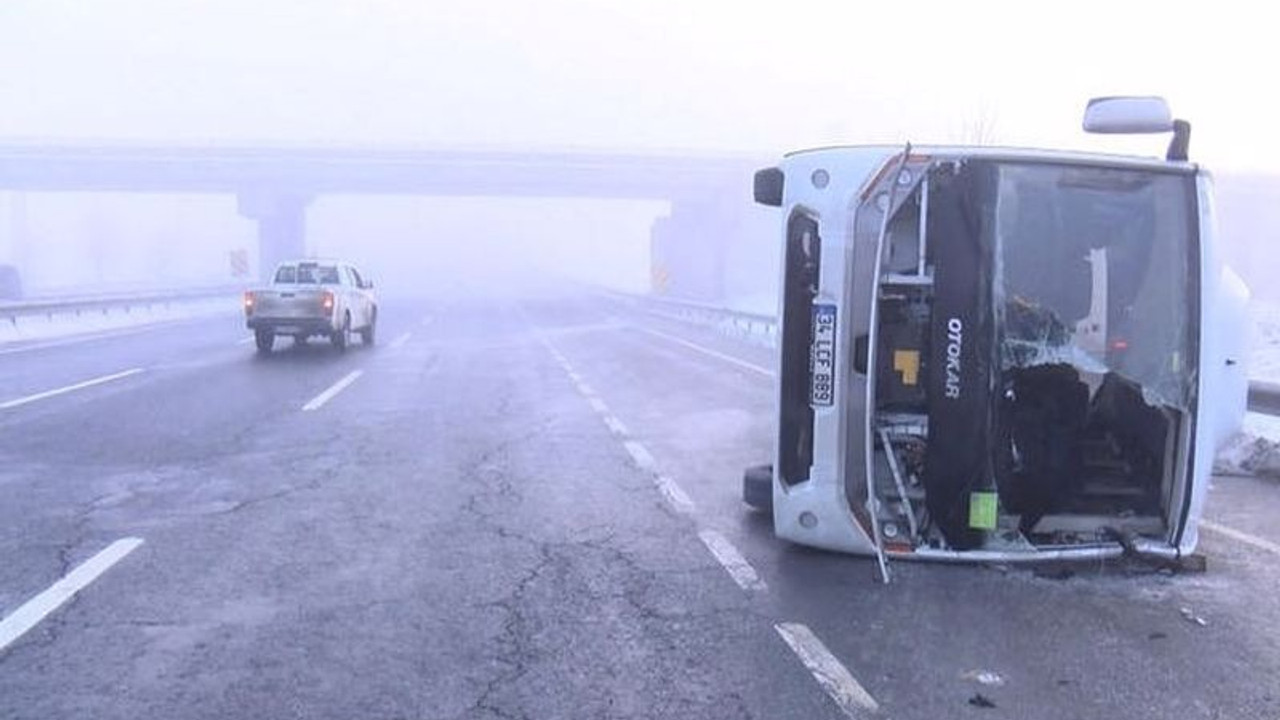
309	298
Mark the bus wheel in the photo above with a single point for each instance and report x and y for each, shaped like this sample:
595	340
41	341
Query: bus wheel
757	487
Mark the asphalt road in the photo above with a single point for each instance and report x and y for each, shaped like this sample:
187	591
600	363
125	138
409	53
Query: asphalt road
528	507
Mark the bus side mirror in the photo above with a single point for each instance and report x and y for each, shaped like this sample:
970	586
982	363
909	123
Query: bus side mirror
768	187
1128	114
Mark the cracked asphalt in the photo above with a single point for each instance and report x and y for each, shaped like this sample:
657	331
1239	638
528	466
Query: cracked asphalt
458	535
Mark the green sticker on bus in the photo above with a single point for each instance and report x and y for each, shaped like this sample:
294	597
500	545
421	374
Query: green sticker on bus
983	509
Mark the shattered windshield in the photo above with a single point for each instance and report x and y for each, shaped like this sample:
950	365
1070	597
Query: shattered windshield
1094	269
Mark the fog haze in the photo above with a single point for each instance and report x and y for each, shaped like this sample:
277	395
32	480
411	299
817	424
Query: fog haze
716	77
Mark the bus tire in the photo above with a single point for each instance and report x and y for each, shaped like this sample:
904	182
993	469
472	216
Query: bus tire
757	487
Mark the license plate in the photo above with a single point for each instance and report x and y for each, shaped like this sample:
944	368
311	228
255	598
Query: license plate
822	356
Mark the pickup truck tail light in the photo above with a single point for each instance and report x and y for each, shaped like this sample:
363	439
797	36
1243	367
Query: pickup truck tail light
326	301
248	302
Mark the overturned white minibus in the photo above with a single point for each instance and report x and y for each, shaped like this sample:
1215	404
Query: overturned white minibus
1001	354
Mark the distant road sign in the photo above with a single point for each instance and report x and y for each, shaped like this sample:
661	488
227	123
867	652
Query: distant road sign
239	262
659	280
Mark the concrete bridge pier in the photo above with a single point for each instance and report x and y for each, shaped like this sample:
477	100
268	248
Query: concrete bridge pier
282	226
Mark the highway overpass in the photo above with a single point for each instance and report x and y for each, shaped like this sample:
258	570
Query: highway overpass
709	194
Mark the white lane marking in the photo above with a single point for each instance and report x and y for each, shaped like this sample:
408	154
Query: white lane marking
69	388
731	560
640	454
848	693
318	401
38	608
615	425
245	341
674	494
400	341
1243	537
427	320
712	353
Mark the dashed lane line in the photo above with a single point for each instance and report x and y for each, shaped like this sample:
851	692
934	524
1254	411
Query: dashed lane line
674	494
640	454
615	425
318	401
1244	537
670	490
18	402
400	341
839	683
831	675
39	607
731	560
245	340
709	352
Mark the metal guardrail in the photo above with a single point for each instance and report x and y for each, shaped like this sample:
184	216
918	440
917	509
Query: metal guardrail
757	327
1264	397
83	305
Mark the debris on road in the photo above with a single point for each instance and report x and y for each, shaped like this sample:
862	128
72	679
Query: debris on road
984	677
1249	453
1191	617
982	701
1053	571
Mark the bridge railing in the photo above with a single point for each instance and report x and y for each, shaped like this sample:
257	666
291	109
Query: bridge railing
1264	396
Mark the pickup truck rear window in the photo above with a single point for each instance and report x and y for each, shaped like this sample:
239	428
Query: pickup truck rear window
307	274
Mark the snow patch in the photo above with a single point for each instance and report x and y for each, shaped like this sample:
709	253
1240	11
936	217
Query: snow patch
1253	451
54	325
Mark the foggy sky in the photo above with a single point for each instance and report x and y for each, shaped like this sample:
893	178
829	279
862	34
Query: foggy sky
766	76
